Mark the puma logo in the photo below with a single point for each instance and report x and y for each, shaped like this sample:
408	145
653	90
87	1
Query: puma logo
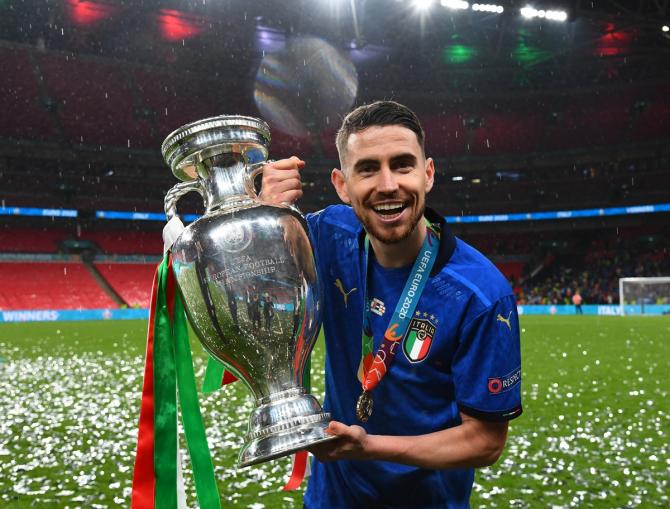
506	321
344	293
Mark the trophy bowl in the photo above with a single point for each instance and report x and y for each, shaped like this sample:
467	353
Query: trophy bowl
248	278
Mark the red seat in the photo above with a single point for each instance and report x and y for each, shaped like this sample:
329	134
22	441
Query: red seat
23	115
95	101
55	285
126	242
132	281
26	240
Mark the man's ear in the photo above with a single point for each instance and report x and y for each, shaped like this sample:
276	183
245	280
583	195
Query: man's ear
338	181
430	174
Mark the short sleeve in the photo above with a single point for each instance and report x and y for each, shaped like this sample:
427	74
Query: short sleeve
313	226
313	223
487	364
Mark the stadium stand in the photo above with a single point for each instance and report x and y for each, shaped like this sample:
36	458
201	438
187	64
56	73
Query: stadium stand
26	240
495	153
594	264
50	285
23	114
94	100
132	281
124	242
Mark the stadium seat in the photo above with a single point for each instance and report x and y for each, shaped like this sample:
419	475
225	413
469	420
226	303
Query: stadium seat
23	115
27	240
50	285
95	101
132	281
126	242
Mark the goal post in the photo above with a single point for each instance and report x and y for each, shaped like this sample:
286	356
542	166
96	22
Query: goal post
644	295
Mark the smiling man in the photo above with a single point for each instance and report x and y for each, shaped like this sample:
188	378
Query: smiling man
421	374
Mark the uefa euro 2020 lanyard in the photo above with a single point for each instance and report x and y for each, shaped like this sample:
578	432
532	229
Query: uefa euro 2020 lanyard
372	370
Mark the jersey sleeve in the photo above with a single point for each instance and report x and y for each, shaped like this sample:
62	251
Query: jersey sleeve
487	364
313	229
313	226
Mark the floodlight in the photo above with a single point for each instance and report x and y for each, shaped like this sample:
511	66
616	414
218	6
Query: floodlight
422	5
488	8
665	28
454	4
530	12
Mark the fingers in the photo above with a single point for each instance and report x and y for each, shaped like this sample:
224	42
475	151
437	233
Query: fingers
281	181
273	176
336	428
275	197
287	164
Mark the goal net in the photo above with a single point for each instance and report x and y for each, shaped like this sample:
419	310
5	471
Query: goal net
644	295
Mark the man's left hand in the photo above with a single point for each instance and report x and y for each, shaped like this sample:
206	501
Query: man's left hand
350	443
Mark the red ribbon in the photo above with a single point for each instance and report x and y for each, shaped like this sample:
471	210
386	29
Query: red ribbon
144	480
298	472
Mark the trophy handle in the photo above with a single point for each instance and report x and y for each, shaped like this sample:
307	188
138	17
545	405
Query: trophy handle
179	190
251	172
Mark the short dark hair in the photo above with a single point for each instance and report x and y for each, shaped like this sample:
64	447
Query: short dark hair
379	113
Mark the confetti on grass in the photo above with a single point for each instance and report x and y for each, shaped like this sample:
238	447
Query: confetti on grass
594	432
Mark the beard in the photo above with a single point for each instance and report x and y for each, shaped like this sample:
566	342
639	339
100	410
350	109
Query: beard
393	235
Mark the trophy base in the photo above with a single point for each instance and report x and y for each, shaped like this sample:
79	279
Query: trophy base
282	424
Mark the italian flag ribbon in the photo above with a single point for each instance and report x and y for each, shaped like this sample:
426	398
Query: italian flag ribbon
217	376
169	384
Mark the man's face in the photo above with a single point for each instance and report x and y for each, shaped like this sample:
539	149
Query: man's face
385	178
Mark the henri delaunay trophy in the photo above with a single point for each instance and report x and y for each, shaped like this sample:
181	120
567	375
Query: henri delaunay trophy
248	278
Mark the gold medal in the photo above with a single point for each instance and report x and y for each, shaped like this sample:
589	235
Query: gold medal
364	406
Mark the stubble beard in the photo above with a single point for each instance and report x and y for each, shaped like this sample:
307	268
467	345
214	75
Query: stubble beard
390	237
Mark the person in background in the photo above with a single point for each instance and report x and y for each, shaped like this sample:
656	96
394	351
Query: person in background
577	301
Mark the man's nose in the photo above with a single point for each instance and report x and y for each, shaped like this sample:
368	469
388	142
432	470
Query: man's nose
387	182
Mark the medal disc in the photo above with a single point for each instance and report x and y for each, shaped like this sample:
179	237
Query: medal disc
364	406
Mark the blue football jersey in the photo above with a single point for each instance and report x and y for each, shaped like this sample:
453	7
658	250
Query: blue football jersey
460	353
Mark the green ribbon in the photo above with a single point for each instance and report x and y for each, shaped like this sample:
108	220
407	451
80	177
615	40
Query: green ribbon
165	399
173	368
194	430
213	376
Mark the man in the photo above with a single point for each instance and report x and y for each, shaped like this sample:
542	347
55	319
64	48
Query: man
577	301
425	396
268	310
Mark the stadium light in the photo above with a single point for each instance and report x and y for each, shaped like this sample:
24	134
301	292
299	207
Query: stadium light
455	4
530	12
422	5
499	9
665	28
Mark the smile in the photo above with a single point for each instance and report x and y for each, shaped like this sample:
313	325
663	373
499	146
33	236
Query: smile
389	209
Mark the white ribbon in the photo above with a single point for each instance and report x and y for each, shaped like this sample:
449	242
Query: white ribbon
171	231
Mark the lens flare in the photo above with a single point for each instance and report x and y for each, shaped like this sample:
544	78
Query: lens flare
308	86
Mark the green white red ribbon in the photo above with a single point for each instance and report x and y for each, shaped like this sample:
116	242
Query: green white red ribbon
168	368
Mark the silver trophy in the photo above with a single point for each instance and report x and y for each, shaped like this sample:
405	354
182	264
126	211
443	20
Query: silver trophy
248	278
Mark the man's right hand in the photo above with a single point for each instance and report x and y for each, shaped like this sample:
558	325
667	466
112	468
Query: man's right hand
281	181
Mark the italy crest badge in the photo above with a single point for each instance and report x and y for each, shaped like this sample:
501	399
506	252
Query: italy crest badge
418	339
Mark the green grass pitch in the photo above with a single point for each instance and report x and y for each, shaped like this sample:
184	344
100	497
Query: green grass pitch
594	432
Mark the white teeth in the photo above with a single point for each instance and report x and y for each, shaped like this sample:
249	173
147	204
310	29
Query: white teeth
388	206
